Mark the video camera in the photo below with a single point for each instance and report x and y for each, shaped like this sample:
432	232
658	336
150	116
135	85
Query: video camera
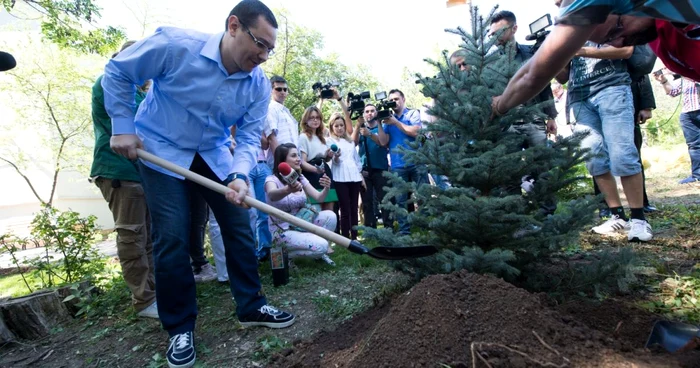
384	107
324	90
356	104
538	31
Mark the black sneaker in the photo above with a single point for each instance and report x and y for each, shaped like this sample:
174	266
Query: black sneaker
268	316
650	208
181	352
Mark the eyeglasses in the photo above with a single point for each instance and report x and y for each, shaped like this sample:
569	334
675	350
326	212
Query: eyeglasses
281	89
314	118
615	32
261	45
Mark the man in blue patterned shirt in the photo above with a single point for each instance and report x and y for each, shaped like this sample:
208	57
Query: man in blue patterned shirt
202	86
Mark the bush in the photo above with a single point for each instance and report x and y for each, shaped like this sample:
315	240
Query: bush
71	235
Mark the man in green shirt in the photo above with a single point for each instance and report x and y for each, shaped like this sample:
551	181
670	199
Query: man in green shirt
120	184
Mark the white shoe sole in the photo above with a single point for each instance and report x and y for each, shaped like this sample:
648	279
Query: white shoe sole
269	324
187	365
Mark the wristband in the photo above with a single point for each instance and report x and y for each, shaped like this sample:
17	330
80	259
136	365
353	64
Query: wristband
238	175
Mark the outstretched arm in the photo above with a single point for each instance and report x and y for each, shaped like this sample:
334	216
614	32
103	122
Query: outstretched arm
556	51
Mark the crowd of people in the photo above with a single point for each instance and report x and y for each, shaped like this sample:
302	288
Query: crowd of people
202	102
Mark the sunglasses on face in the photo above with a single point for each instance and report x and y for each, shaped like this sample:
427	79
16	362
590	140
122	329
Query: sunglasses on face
281	89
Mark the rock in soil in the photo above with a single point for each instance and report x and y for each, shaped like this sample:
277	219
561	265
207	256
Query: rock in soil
466	320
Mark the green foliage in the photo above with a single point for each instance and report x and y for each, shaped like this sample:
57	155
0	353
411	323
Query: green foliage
678	298
82	299
63	20
71	236
338	307
297	60
9	244
484	222
595	273
268	345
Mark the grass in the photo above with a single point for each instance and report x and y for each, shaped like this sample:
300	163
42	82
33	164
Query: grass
13	285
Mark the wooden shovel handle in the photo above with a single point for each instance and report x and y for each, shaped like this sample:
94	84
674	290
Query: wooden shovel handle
250	201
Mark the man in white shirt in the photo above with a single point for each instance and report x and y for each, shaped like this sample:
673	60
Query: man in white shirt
280	128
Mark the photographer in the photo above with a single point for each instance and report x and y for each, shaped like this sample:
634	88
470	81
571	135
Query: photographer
374	165
504	25
671	33
400	129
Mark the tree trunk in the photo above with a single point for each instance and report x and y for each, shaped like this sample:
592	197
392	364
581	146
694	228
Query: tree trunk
33	316
5	334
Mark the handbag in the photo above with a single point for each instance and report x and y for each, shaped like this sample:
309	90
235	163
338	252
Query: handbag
307	213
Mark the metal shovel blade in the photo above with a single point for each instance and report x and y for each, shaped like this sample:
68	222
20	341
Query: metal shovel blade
672	336
393	254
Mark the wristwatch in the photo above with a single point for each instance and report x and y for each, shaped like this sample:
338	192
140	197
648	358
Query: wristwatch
238	175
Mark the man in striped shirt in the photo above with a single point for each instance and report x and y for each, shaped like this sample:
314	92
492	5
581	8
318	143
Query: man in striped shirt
690	119
670	27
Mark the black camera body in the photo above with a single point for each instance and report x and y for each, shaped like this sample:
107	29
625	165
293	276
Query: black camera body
384	107
538	31
324	90
356	103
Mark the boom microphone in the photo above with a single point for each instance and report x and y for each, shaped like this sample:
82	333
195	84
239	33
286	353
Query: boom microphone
290	176
7	61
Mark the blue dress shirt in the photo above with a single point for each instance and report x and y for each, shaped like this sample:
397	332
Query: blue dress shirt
192	103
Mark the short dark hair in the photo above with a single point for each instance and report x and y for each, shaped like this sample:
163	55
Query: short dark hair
397	91
504	14
248	12
277	79
370	104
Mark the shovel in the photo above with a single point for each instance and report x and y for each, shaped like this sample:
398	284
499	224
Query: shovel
385	253
674	336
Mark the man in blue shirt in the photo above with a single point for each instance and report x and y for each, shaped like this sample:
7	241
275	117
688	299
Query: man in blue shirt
202	85
399	130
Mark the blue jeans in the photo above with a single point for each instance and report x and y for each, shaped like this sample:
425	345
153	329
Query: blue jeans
198	224
168	200
608	117
690	124
258	219
411	174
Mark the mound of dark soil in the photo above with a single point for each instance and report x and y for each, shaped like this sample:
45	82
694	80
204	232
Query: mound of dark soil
464	319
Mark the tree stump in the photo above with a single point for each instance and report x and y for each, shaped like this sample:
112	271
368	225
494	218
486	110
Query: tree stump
5	334
33	316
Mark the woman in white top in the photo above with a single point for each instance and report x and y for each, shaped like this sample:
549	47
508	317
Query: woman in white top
315	153
347	174
292	198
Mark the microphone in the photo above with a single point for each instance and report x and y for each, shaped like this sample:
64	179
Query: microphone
290	176
7	61
334	147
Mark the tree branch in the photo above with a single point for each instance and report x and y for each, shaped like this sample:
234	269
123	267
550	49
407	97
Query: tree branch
25	179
